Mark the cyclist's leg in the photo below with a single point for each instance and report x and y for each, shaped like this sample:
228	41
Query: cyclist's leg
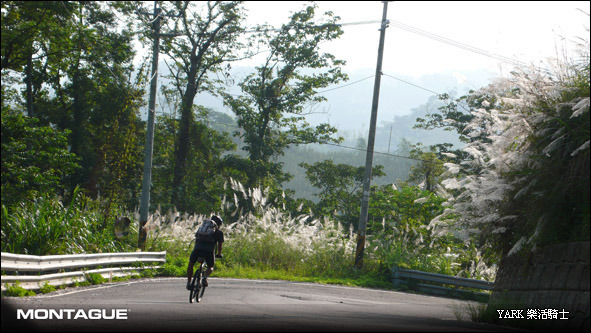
210	260
192	260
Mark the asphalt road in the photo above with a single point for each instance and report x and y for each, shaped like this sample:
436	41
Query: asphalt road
236	305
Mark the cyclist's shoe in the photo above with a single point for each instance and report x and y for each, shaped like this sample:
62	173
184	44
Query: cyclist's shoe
204	282
188	285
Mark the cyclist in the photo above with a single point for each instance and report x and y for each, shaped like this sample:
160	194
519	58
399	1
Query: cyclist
205	249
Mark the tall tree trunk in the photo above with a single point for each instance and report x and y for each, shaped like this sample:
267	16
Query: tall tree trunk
182	150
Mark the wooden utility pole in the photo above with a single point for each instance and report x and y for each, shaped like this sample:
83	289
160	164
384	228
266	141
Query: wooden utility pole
370	145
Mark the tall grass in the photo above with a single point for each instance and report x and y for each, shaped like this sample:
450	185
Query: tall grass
267	239
47	226
270	239
266	242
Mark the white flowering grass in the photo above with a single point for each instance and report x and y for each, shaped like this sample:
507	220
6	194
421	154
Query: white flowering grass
268	239
271	238
536	154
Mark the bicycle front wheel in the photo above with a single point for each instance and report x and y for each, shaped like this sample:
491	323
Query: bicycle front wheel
201	292
195	287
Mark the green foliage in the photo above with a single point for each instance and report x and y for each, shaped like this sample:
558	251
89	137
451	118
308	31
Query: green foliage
176	265
555	199
401	234
271	111
340	188
46	288
35	159
523	180
212	33
17	290
46	226
31	26
202	188
456	114
399	222
76	63
406	208
276	245
95	278
428	170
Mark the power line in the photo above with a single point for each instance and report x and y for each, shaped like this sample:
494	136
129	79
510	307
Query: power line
254	30
455	43
412	84
208	121
420	32
375	152
319	92
345	85
411	29
358	81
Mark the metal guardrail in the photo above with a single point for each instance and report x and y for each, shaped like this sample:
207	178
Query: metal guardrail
410	278
73	268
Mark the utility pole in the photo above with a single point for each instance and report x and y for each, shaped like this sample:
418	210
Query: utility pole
147	181
390	140
370	145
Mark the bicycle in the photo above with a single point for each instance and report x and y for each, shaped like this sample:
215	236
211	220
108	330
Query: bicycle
197	289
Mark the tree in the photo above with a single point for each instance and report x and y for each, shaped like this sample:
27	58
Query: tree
76	61
457	114
102	103
31	31
35	159
206	39
271	111
402	210
428	169
340	188
203	182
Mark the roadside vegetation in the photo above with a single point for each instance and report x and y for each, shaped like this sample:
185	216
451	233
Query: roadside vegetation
267	243
73	142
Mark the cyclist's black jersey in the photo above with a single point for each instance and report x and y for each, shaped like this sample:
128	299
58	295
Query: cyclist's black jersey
218	237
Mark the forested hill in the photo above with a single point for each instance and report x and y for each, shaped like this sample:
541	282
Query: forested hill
394	141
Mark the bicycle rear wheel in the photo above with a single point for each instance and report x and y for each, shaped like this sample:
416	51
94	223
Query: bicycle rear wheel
195	287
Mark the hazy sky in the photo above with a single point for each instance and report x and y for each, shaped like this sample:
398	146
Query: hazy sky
418	51
529	32
526	31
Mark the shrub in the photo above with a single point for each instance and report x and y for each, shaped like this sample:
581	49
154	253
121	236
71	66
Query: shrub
17	290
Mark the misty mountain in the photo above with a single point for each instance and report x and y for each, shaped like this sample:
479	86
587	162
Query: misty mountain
402	100
348	108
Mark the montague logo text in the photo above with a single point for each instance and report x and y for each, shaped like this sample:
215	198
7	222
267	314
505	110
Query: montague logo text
73	314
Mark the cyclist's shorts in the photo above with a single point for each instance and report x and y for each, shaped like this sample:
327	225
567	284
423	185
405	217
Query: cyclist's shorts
209	258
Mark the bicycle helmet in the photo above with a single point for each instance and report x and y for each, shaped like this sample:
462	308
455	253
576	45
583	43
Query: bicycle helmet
218	220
